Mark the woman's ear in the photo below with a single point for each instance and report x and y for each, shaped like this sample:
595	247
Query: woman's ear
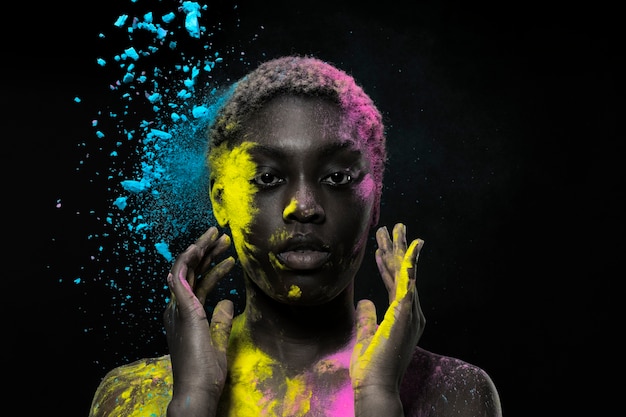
217	201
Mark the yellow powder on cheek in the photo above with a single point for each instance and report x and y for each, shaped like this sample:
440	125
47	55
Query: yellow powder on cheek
275	262
280	235
233	169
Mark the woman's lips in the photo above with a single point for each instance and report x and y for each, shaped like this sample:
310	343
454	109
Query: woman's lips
304	259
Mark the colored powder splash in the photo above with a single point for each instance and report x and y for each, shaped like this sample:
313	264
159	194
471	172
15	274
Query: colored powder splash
165	83
164	193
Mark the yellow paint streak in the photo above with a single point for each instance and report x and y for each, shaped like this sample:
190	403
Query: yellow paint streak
403	275
402	286
384	329
294	292
233	169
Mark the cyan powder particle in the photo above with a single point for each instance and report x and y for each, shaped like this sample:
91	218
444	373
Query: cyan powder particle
163	249
121	20
120	202
167	18
192	10
131	53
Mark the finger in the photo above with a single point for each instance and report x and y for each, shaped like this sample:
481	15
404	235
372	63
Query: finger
383	239
207	237
384	257
168	314
419	244
408	264
221	324
219	246
366	322
192	256
399	238
418	315
211	278
197	253
186	301
385	272
174	281
400	309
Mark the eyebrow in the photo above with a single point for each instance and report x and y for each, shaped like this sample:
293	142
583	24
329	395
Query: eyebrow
278	152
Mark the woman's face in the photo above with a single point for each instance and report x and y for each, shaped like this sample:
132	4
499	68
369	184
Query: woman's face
298	197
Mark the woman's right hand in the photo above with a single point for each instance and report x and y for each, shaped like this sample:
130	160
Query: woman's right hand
198	347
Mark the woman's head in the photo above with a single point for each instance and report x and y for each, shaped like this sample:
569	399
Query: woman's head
296	161
306	76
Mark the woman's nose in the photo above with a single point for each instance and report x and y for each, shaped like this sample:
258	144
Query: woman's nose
304	207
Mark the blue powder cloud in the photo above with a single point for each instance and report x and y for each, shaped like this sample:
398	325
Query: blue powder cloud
154	134
165	195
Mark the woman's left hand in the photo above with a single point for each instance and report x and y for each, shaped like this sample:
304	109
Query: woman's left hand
382	352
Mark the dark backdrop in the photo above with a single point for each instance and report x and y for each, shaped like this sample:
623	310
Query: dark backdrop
502	132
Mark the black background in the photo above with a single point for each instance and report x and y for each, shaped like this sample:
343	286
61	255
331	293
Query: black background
504	156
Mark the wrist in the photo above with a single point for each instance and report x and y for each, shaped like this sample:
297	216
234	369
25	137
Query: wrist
377	401
191	407
192	403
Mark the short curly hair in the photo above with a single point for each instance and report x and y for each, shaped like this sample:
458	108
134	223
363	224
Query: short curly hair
303	76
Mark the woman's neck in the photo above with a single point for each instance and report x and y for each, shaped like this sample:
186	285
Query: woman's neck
298	336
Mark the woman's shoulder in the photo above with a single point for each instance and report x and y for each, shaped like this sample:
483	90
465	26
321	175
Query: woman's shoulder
439	385
142	387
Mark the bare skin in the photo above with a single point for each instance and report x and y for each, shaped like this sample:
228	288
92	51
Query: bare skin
301	347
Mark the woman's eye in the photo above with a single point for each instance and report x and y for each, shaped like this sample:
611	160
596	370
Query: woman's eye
267	179
338	178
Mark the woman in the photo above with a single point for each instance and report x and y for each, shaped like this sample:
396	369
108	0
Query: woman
296	160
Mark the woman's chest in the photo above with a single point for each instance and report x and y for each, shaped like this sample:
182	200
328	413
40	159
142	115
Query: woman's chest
257	387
